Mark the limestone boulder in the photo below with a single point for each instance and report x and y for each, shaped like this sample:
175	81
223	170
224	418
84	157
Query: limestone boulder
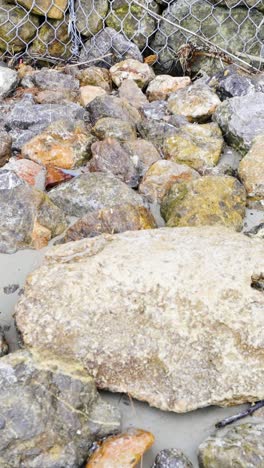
114	107
163	85
51	412
8	81
130	91
54	80
241	120
88	93
142	153
241	446
131	69
93	76
208	200
29	171
170	316
109	127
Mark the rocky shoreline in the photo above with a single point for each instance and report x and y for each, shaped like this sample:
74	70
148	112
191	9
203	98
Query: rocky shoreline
155	288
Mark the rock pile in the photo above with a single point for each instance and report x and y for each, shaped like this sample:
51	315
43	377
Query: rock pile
172	313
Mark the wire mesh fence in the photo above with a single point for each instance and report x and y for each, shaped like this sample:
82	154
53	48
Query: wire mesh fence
170	33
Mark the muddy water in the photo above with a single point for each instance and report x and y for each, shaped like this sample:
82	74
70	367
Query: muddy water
185	431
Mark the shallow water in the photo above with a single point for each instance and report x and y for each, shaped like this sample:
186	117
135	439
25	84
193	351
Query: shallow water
185	431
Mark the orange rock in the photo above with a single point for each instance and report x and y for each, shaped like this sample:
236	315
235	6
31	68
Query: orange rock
122	451
88	93
55	176
40	236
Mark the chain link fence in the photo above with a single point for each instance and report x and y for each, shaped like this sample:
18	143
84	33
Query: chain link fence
170	34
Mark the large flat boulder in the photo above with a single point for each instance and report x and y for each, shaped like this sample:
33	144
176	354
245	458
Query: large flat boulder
170	316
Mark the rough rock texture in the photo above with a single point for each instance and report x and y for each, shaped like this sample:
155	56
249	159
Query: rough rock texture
161	176
13	20
90	16
52	79
55	175
91	192
111	106
142	153
8	81
163	85
130	91
251	170
109	156
88	93
156	131
112	220
250	3
28	218
108	42
123	450
94	76
5	147
166	315
3	345
229	83
29	171
50	411
131	69
196	102
241	446
198	146
208	200
241	120
227	164
58	96
50	8
109	127
171	458
64	144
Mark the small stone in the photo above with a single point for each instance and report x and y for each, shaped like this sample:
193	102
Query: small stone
206	201
63	144
156	110
229	83
241	446
196	102
111	45
142	153
55	176
156	131
171	458
5	147
89	93
114	128
91	192
111	106
95	76
58	96
132	69
198	146
51	412
130	91
29	171
161	176
110	157
241	120
3	349
8	81
28	217
52	79
123	450
251	171
163	85
112	220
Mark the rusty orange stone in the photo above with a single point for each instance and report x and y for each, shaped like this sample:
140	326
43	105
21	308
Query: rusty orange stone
122	451
55	176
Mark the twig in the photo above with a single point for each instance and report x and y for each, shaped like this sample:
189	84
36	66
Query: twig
237	417
201	38
89	61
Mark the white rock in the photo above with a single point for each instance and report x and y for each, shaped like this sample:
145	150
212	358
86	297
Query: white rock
8	81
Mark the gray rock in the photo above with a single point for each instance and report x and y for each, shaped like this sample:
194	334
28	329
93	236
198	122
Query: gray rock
156	110
241	120
52	79
171	458
241	446
5	147
166	315
229	83
3	346
51	413
228	163
156	131
89	17
25	115
8	81
114	107
90	192
259	4
28	218
20	138
256	231
114	45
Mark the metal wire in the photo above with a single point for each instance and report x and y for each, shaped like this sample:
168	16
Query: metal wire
87	30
